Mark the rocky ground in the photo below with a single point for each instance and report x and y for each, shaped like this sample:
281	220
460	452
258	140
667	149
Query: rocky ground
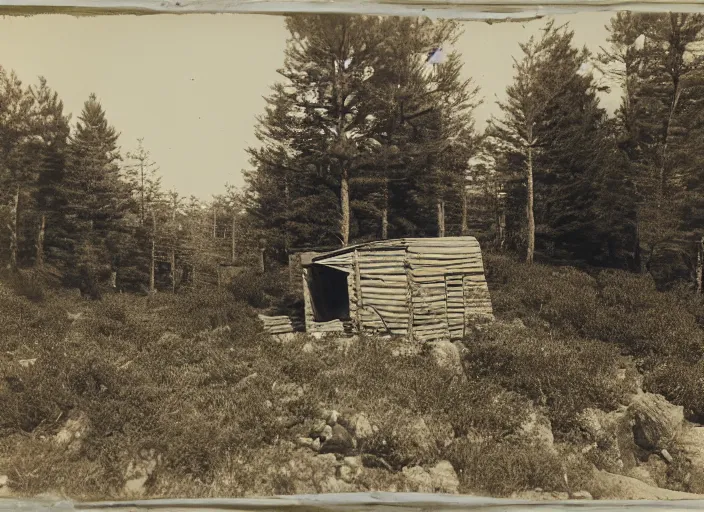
187	397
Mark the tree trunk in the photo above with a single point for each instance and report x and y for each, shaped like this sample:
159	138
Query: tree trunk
385	212
465	226
700	267
529	206
152	266
172	256
14	223
441	217
215	223
141	195
637	251
345	207
173	271
39	261
262	260
232	247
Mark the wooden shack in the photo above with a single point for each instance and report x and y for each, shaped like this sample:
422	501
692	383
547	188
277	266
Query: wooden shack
425	288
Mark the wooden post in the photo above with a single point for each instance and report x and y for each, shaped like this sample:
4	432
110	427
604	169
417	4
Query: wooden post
152	287
358	290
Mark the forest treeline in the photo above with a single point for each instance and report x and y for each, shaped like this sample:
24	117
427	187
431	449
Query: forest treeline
370	134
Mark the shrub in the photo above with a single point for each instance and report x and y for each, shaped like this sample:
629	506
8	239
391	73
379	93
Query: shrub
566	375
499	469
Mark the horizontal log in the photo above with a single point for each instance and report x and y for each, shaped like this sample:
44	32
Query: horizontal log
439	251
381	279
377	298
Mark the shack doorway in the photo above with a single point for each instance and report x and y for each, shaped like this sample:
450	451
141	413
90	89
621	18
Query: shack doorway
329	295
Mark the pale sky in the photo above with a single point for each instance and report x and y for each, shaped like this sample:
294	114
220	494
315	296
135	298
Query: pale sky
191	85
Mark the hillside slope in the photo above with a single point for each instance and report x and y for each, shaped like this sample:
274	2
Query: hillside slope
185	396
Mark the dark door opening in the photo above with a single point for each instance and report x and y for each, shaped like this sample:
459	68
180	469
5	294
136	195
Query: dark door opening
328	292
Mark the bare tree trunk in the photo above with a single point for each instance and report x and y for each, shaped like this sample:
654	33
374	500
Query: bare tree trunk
39	261
529	205
232	247
152	266
345	207
13	225
441	217
173	270
385	212
215	223
141	194
465	225
700	267
262	260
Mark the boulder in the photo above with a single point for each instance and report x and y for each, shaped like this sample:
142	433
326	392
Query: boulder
447	355
72	433
332	418
444	478
619	487
26	363
326	433
340	442
350	469
417	479
656	422
361	426
690	442
314	474
581	495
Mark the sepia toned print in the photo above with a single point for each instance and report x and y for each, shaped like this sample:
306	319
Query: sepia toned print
372	253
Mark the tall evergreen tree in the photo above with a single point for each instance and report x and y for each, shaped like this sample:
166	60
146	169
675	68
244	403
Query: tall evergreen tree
53	128
96	200
552	130
17	169
657	59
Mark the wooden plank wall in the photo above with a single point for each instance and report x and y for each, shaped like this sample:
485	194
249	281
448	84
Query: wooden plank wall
383	290
443	278
438	269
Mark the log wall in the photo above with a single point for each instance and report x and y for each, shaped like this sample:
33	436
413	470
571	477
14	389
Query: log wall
428	288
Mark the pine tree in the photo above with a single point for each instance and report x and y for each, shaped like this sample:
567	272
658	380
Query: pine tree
553	131
53	127
657	59
96	200
17	169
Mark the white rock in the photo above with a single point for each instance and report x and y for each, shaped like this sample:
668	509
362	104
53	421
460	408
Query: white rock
656	421
326	433
444	478
361	427
26	363
332	418
418	479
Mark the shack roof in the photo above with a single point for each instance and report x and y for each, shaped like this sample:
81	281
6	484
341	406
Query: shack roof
437	244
